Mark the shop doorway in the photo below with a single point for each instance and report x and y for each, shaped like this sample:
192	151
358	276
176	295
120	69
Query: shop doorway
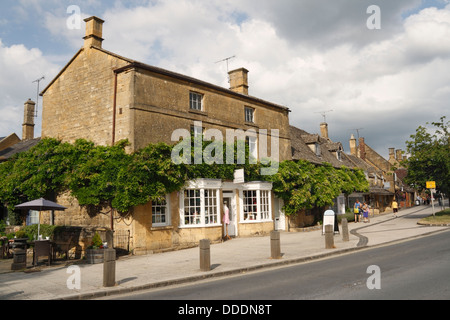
228	201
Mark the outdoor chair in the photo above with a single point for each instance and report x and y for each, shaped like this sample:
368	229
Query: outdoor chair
64	247
42	248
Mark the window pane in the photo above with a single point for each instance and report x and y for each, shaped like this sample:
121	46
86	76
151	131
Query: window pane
195	101
159	211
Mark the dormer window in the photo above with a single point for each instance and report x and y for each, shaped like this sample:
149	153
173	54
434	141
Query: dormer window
317	149
339	154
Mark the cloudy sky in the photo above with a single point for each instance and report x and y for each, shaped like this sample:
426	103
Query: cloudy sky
384	72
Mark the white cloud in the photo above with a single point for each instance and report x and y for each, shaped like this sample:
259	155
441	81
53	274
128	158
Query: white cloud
307	55
20	67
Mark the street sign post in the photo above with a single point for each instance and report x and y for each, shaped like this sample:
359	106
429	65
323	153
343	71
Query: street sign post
432	186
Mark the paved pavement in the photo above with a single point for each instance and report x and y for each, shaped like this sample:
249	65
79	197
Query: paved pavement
235	256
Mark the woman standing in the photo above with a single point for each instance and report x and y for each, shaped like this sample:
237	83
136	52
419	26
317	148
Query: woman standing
365	209
357	210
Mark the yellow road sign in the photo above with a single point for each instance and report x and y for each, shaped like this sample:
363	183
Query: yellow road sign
431	184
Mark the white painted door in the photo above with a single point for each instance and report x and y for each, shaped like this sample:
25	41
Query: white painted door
280	218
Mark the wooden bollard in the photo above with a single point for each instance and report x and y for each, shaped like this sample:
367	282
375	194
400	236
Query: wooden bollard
275	245
329	236
205	255
109	268
345	235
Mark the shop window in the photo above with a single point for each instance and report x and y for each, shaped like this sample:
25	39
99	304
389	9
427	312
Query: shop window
257	204
199	206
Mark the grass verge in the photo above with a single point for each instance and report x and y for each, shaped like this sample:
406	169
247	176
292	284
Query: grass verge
441	217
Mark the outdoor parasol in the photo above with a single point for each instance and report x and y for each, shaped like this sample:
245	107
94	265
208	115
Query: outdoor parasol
41	205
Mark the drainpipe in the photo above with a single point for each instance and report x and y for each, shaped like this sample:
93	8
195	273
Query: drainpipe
113	134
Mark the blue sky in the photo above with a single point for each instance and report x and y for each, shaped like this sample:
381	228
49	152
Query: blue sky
309	55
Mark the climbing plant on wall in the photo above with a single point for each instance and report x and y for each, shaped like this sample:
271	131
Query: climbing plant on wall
108	176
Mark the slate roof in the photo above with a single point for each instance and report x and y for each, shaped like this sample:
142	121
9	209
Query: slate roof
300	139
21	146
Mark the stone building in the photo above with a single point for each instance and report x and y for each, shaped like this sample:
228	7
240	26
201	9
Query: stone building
385	176
104	97
319	149
12	144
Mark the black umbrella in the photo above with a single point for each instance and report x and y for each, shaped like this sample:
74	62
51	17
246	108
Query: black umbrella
41	205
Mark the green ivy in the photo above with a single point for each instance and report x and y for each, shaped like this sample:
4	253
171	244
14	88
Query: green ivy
108	176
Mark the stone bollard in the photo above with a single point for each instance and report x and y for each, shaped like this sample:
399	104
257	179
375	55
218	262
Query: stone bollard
19	259
205	255
345	235
329	237
109	268
275	246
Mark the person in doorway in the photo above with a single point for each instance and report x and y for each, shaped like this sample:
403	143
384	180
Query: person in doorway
365	210
357	210
226	219
395	207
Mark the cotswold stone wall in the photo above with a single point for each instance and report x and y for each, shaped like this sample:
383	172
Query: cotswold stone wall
149	106
79	103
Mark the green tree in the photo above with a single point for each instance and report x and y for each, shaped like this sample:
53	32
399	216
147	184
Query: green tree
94	179
303	185
39	172
429	158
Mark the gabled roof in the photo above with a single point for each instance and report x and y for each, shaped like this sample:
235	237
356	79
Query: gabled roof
21	146
8	141
139	65
300	139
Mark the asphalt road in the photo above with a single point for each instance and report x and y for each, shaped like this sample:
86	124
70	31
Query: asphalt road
416	269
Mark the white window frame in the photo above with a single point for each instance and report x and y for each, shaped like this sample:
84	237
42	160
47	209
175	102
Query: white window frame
32	217
262	191
166	206
195	101
207	193
249	114
252	146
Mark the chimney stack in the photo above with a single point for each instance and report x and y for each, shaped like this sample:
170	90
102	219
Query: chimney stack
362	149
353	150
399	155
28	120
94	30
239	80
391	153
324	130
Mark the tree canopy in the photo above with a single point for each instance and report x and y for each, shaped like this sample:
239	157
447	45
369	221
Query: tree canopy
429	156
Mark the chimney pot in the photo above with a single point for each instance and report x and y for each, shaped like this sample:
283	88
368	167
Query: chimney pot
239	80
94	31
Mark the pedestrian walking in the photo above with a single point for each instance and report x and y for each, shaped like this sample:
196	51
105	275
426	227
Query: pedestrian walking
365	209
357	211
395	207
